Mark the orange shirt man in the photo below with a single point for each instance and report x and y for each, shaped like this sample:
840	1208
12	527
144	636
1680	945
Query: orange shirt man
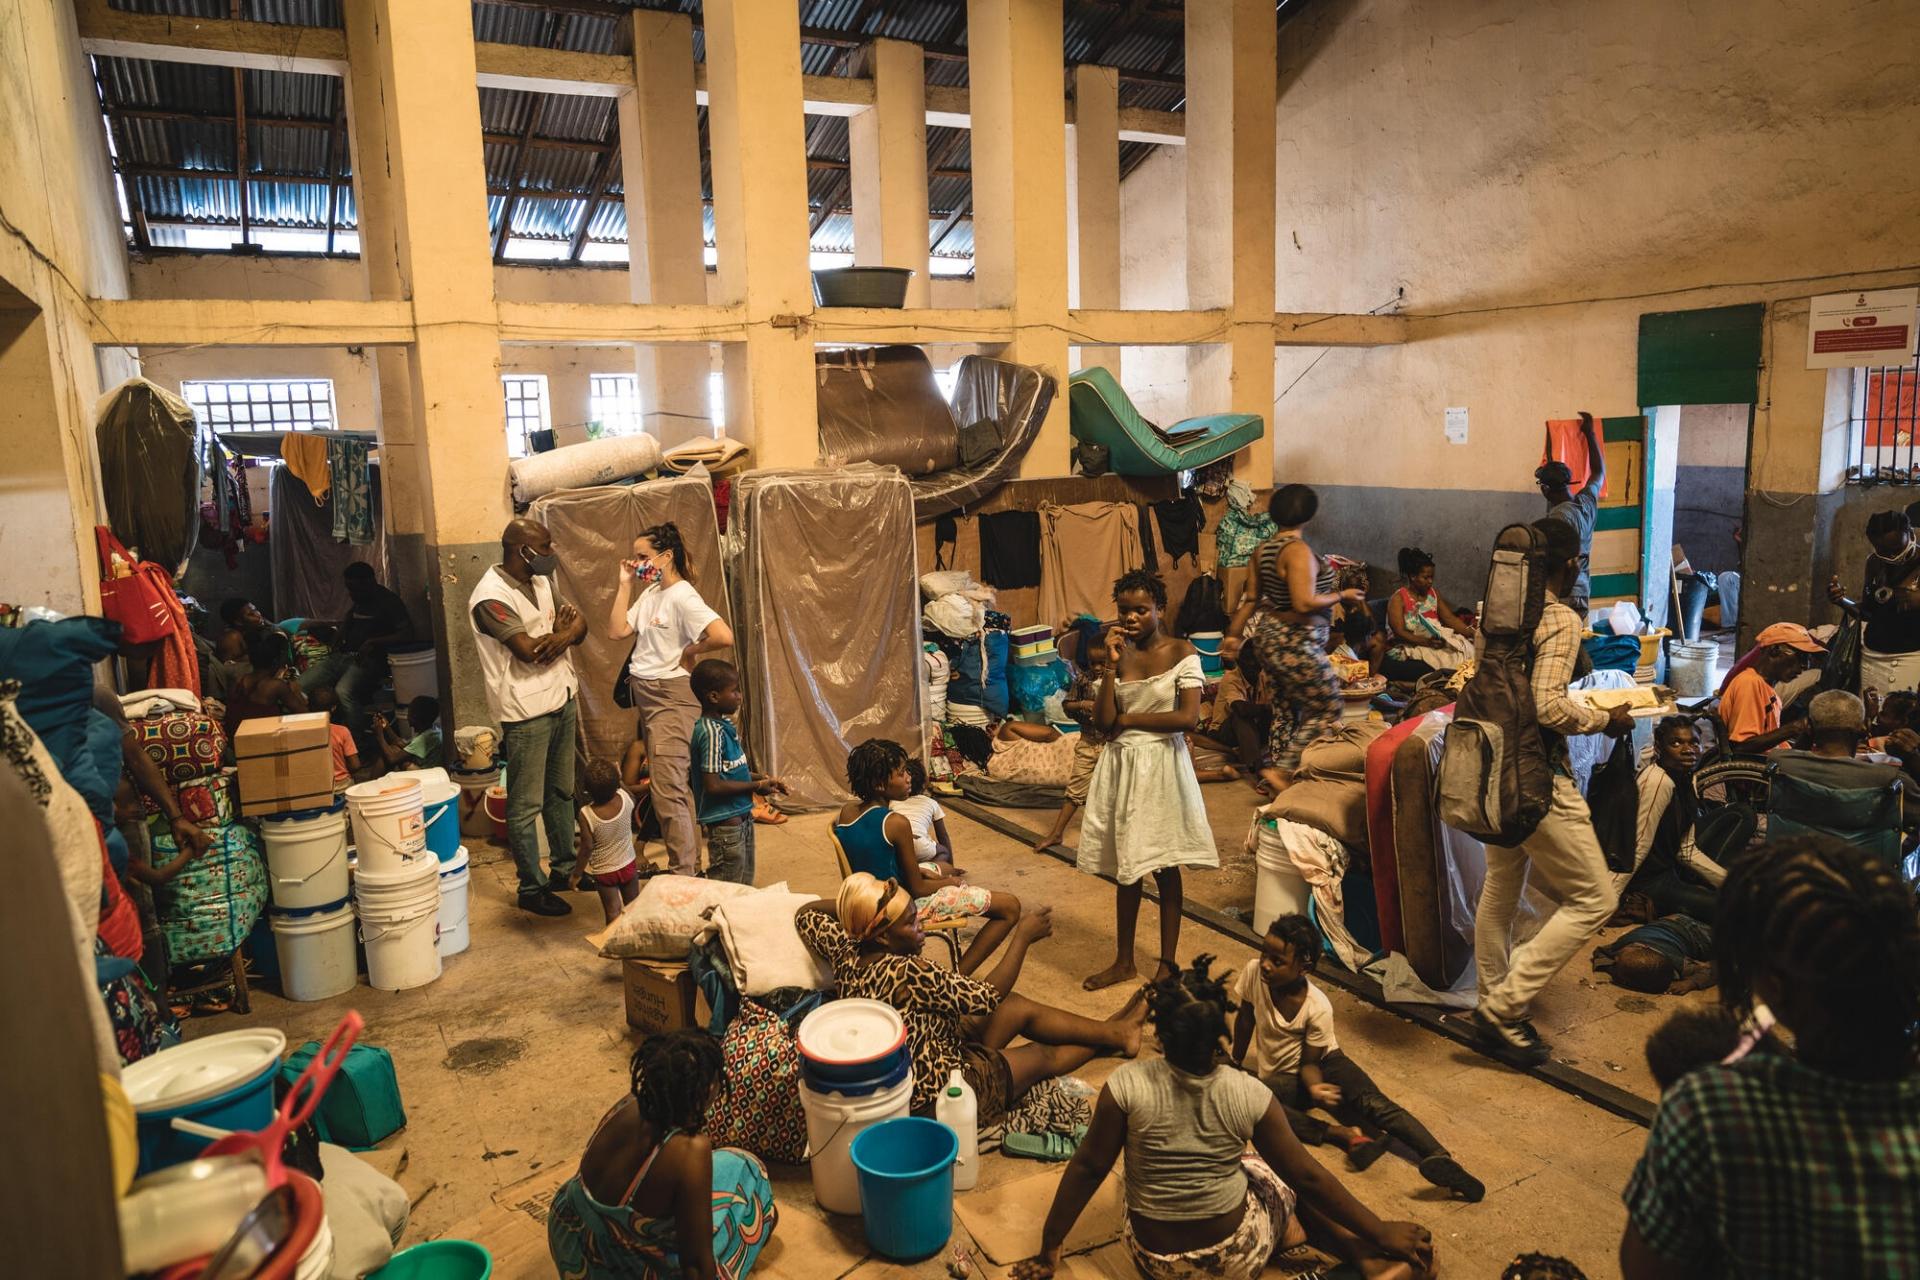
1749	707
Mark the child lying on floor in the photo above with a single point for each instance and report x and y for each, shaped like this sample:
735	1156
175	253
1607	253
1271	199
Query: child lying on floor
1673	954
1283	1035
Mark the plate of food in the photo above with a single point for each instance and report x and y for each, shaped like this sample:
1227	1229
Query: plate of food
1364	689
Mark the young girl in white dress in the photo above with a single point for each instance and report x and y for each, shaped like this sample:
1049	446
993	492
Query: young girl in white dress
1144	813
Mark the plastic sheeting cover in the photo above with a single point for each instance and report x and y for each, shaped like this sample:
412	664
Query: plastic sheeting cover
150	470
305	559
881	405
1015	397
825	587
593	531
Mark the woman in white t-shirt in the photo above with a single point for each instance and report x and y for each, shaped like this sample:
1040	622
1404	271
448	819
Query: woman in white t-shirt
671	628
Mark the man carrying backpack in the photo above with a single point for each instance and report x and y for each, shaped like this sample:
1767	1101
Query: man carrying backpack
1563	846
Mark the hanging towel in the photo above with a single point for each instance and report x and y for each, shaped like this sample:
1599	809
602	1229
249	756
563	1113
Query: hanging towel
1149	558
1010	549
352	492
1083	548
1566	443
1181	520
1322	862
306	457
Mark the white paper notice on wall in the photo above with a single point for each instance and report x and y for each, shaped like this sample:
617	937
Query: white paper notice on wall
1874	327
1456	426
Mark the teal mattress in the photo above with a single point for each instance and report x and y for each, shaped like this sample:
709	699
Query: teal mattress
1101	413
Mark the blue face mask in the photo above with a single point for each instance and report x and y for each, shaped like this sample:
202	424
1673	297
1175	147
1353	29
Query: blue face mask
540	566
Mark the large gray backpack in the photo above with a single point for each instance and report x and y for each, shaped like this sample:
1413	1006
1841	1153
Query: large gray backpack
1496	771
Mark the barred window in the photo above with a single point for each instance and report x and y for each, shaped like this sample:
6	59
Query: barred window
527	410
263	404
1885	421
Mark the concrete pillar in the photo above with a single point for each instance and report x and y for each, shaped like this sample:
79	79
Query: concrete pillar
1096	152
757	136
376	211
1017	97
888	166
660	168
1231	93
423	50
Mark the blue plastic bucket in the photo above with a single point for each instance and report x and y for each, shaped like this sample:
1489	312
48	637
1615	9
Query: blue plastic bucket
243	1101
440	814
906	1185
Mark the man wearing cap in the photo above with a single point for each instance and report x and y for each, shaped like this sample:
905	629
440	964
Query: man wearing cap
1577	509
1749	708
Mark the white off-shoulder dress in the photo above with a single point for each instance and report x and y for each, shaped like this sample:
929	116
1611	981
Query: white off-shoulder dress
1144	812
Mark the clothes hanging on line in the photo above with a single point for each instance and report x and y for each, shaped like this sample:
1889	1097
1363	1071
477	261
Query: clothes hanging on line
1567	443
1181	520
1149	558
1010	549
1083	548
351	496
306	456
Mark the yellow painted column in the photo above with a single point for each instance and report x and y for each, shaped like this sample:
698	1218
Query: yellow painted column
1231	93
1017	97
660	170
425	58
1096	153
888	165
757	137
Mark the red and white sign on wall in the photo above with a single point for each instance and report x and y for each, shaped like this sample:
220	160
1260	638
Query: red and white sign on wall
1852	329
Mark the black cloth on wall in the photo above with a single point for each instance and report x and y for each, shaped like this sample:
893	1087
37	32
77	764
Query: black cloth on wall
946	536
1010	549
1181	520
1148	559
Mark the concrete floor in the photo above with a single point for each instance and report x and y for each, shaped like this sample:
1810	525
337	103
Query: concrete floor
508	1060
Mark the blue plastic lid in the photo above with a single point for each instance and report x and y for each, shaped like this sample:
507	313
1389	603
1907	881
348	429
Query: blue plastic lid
297	815
296	913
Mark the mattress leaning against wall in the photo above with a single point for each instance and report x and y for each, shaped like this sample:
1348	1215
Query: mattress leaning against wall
593	531
825	588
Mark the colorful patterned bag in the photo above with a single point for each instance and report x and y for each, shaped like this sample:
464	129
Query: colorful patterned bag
185	744
207	801
208	910
760	1111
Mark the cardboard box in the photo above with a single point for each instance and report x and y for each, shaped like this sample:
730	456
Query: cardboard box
285	763
661	996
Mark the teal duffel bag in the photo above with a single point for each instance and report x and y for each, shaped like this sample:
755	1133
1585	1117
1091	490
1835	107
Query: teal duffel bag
363	1104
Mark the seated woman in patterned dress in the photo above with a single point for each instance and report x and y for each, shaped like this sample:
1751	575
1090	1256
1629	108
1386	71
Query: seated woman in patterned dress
879	841
871	937
654	1198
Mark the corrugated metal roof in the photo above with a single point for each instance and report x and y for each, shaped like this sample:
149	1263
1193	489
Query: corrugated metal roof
291	115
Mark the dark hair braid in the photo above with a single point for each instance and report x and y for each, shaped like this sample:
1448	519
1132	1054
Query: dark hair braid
1189	1009
1824	917
870	764
666	537
674	1076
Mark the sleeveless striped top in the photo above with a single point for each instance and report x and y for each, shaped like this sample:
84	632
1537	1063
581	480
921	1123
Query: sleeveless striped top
1272	583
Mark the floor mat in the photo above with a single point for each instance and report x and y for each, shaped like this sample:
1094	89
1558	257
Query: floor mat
1006	1221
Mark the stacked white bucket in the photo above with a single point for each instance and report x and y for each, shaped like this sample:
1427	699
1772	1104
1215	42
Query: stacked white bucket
312	917
396	883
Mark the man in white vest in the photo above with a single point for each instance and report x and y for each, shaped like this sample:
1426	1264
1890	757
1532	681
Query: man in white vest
526	638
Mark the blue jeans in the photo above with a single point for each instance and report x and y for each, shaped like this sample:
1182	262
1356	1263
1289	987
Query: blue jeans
730	850
355	681
540	783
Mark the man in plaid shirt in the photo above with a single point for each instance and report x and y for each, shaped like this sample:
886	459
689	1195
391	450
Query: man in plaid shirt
1804	1164
1563	846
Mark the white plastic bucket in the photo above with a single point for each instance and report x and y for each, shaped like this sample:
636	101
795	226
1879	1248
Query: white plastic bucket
453	904
1691	668
306	857
1278	889
833	1120
316	952
413	674
317	1262
388	829
399	922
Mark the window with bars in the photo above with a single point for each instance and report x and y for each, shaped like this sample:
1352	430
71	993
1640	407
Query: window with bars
614	402
527	410
1885	422
263	404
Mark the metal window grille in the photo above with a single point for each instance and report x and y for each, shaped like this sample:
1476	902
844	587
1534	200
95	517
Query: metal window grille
614	402
527	410
263	404
1884	425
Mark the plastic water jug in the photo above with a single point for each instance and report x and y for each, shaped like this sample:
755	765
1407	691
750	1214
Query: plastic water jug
960	1111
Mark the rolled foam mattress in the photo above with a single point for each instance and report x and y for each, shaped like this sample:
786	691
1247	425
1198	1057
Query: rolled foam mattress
581	466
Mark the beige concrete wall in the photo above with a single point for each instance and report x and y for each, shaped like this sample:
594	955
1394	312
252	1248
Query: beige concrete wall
1153	277
1506	162
63	244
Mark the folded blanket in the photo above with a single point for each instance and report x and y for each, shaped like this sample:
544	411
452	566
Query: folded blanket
763	947
148	702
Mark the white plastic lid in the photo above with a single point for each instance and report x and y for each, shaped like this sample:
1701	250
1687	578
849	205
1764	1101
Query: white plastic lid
201	1069
852	1031
456	864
